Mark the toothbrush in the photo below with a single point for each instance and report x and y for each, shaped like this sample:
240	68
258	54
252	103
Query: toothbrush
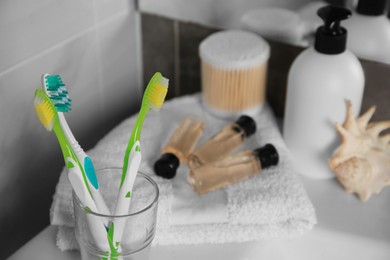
56	90
154	97
95	223
48	116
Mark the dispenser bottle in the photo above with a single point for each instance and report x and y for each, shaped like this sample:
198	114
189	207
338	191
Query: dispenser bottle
222	143
320	81
369	31
181	143
231	169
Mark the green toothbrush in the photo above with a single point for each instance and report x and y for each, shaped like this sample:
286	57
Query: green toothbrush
153	98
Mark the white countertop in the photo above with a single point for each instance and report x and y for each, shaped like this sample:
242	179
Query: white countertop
347	229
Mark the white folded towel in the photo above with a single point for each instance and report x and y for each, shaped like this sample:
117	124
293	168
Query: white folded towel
272	204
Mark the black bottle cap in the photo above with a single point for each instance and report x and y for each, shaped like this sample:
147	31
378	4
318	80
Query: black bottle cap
331	38
268	155
371	7
247	124
166	166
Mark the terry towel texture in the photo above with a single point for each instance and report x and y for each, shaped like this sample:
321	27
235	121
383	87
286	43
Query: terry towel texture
270	205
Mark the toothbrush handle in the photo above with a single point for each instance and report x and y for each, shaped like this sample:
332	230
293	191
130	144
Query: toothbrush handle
92	182
95	223
65	128
125	194
88	167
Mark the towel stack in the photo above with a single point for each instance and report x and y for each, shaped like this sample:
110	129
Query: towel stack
272	204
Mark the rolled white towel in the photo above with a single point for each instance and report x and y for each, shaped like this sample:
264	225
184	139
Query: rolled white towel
272	204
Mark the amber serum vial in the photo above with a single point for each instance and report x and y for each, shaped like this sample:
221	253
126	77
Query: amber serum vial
231	169
180	144
222	143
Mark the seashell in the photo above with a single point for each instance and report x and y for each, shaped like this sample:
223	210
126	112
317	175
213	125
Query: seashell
362	162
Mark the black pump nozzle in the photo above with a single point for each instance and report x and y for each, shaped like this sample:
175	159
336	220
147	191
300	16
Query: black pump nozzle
331	38
332	15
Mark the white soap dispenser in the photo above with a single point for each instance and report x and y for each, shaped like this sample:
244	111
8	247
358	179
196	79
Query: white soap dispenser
320	80
369	31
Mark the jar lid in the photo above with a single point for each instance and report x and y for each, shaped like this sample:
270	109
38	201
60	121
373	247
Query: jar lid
268	156
166	166
234	49
247	124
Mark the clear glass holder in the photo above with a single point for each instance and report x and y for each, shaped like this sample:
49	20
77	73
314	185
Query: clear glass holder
140	222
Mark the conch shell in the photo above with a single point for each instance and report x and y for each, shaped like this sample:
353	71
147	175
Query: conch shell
362	162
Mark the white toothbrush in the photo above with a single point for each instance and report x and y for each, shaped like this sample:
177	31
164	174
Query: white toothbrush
56	90
95	223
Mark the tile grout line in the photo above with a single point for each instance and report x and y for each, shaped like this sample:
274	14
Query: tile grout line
176	56
139	53
99	65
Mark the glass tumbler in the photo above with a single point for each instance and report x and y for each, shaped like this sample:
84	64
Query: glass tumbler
140	222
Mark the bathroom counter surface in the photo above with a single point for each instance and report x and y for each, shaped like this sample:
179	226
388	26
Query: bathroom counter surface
346	229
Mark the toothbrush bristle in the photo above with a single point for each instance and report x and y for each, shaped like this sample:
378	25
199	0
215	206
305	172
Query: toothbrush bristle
157	93
56	90
163	81
44	109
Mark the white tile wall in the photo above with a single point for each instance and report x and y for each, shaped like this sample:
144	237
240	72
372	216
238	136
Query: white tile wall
95	46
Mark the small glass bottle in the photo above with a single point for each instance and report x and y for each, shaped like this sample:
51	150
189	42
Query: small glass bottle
181	143
226	140
231	169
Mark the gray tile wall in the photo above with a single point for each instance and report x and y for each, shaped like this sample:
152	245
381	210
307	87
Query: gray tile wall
172	47
158	49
